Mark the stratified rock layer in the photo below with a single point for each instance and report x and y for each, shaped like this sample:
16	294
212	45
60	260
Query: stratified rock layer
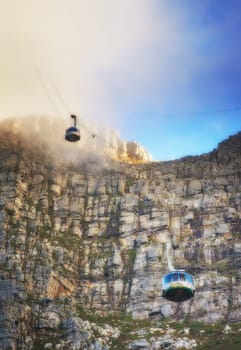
93	235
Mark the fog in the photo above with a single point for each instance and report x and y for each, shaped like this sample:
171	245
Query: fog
47	134
88	57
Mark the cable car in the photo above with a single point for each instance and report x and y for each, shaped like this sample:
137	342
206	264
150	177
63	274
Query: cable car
178	286
72	134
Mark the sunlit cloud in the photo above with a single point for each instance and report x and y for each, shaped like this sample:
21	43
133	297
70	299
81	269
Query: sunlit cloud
98	54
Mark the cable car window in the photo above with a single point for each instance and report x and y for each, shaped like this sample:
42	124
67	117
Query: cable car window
190	279
175	277
168	279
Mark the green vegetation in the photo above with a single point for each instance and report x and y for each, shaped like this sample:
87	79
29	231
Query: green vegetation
207	336
211	336
216	338
68	240
223	267
52	337
122	321
43	231
113	319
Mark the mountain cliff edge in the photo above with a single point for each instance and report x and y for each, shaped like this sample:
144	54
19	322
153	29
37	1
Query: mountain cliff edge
83	245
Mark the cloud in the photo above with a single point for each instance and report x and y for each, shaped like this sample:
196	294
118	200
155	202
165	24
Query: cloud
99	55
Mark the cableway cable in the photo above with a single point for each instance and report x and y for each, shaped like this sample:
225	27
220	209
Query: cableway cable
195	113
46	91
58	94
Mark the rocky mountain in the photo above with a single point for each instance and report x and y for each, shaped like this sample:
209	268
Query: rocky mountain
84	238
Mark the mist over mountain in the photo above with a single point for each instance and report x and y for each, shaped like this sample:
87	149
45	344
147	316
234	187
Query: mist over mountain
97	143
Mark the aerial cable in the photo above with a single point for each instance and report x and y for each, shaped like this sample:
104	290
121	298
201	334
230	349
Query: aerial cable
46	91
58	94
217	111
64	104
195	113
61	99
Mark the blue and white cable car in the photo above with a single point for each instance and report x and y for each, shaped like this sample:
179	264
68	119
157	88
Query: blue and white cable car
72	134
178	286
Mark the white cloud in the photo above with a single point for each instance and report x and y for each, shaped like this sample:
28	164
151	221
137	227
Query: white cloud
97	53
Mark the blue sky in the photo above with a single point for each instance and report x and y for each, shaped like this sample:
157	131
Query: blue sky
202	107
165	73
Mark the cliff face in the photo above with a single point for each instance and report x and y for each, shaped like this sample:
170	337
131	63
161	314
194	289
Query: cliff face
93	236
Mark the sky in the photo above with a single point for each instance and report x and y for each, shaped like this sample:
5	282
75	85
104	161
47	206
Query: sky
164	73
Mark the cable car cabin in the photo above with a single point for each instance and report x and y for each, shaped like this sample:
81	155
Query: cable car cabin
72	134
178	286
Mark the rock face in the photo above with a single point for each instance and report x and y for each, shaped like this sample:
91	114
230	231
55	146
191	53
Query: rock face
93	236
